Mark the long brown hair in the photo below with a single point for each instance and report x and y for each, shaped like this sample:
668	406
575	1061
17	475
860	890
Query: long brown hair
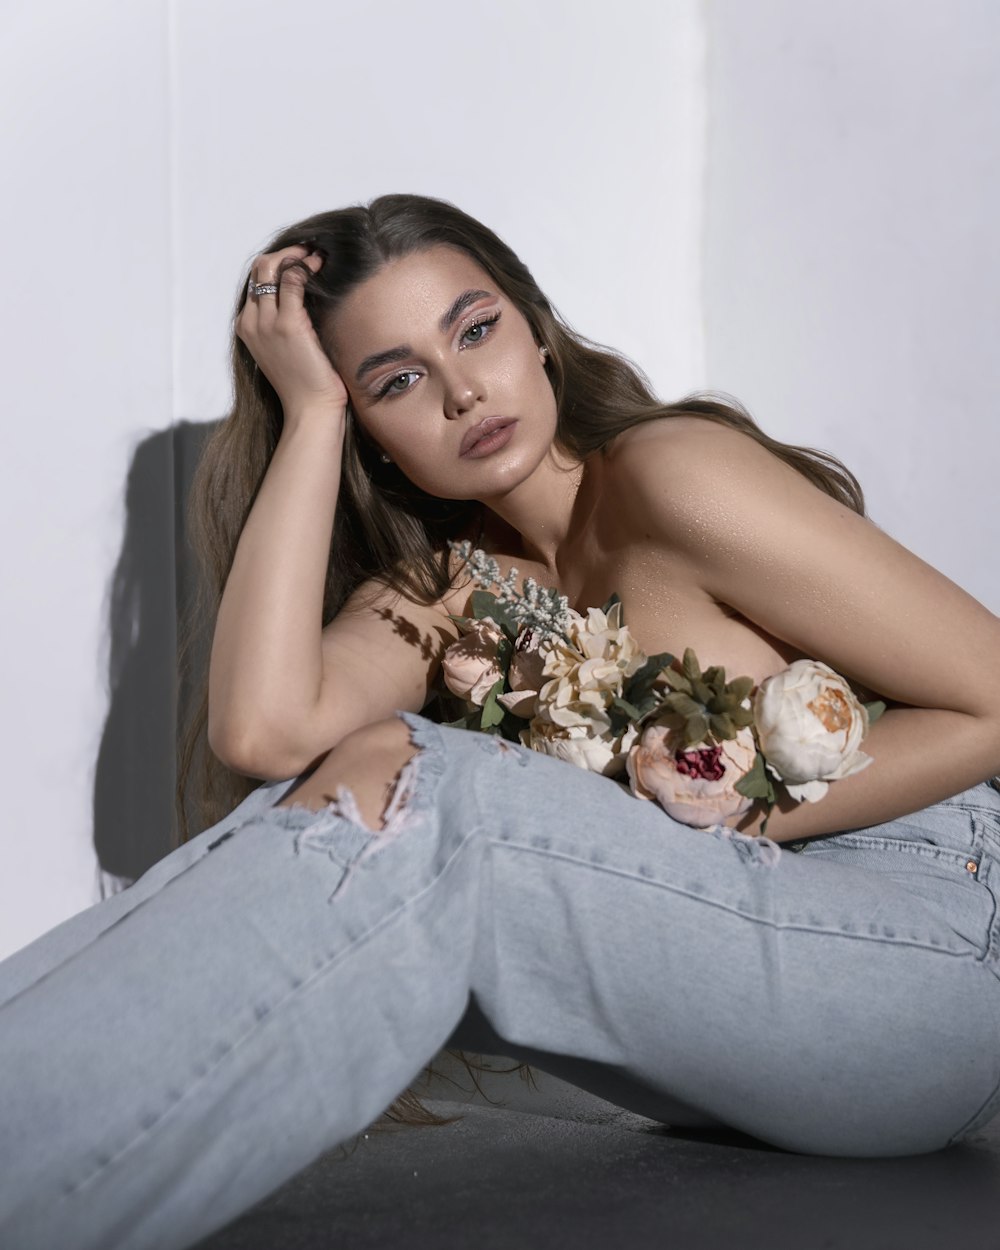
385	527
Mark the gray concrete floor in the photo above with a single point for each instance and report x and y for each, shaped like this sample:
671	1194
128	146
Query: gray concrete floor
556	1167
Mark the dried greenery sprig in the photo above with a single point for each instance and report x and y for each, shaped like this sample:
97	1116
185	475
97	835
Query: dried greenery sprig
540	607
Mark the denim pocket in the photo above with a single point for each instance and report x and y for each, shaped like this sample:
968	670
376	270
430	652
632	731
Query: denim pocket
944	878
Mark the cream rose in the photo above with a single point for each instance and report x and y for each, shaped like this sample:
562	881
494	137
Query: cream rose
694	784
598	653
585	672
470	666
810	725
578	744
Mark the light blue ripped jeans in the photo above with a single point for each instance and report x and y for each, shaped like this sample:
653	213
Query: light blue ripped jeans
172	1055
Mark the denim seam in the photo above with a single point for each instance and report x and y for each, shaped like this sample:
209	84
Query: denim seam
990	1107
258	1024
902	845
988	860
737	911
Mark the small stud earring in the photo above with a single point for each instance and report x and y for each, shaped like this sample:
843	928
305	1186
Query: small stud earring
385	459
544	351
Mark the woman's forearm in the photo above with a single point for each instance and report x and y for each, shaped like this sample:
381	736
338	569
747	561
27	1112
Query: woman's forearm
921	756
266	661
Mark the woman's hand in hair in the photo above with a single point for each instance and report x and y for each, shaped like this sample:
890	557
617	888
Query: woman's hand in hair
280	336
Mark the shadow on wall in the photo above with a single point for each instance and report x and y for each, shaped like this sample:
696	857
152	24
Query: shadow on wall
153	582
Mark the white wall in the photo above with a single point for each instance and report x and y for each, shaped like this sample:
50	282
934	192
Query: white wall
839	223
851	254
151	150
86	344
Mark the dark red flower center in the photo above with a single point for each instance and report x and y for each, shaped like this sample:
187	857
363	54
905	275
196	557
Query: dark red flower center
703	762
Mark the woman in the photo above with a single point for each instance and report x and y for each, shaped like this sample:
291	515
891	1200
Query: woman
395	885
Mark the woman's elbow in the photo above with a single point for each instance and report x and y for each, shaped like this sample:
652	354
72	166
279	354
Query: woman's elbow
254	755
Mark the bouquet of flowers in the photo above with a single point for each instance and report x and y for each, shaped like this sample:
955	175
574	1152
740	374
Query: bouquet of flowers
531	669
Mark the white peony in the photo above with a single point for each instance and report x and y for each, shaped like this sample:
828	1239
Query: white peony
810	725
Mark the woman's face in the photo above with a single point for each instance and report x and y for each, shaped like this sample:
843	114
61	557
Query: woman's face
429	349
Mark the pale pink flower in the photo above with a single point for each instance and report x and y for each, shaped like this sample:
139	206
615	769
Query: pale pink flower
525	676
695	784
470	666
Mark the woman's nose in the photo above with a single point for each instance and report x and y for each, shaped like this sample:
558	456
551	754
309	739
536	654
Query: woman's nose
462	392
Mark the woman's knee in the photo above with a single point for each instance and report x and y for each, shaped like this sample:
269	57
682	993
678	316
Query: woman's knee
361	772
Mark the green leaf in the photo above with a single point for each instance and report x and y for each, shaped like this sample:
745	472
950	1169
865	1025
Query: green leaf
505	653
690	665
649	703
676	681
485	603
619	720
678	701
646	675
722	725
874	710
695	730
701	691
493	711
630	710
740	687
716	675
757	783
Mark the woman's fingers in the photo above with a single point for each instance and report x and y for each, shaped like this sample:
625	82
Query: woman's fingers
259	312
279	334
272	267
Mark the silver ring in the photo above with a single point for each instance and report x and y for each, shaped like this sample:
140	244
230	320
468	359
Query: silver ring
262	288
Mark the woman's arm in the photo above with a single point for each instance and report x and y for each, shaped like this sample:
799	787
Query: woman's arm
283	690
762	539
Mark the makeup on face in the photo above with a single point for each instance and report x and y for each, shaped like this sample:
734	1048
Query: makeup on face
445	372
487	437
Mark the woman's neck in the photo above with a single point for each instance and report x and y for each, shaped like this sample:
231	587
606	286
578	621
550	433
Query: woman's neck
536	520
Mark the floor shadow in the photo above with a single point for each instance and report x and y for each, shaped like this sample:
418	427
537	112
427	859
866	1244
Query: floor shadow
503	1178
153	580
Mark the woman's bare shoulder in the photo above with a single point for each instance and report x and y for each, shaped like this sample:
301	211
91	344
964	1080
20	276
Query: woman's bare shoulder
680	435
676	466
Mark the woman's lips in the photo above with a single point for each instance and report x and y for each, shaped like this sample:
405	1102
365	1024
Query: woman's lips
487	436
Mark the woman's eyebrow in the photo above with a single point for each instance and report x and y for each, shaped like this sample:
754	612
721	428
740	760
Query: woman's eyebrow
447	321
459	307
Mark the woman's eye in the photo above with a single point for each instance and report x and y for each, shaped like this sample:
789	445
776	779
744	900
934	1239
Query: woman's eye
390	387
481	325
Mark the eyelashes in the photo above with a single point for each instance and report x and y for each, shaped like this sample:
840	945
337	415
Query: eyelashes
480	323
388	388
